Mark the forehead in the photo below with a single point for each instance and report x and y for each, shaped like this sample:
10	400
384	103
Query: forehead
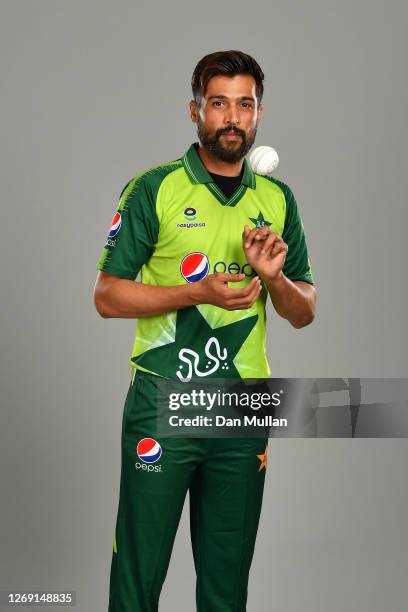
236	86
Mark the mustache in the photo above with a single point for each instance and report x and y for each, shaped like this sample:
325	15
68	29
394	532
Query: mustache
231	128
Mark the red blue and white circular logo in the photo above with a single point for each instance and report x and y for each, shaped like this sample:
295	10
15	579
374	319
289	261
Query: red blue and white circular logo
194	267
149	450
115	225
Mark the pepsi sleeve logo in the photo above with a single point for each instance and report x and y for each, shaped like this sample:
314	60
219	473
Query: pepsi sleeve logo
115	225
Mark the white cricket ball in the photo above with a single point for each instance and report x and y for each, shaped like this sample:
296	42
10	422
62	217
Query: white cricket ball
263	160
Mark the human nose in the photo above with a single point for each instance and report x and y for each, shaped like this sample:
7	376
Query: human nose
232	115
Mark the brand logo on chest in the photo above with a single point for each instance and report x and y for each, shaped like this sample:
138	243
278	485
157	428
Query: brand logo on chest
190	215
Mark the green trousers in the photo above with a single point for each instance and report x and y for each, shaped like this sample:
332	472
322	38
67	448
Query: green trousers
225	480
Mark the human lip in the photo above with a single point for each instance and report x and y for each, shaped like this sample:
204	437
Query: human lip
231	135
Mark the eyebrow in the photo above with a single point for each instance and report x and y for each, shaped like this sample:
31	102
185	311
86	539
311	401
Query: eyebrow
226	98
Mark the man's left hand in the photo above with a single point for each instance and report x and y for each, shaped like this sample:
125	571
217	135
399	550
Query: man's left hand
265	251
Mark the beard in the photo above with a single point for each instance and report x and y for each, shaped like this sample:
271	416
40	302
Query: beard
234	151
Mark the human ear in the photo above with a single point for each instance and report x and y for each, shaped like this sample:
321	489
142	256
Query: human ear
193	111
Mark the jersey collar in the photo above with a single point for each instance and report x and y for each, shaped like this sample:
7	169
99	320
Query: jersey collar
199	174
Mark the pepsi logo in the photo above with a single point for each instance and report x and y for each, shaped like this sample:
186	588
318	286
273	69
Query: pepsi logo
115	225
194	267
148	450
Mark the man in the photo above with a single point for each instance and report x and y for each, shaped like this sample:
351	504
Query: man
211	240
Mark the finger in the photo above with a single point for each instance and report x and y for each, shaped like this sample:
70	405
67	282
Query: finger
244	304
265	231
253	296
255	248
246	231
270	242
251	237
258	234
244	292
278	248
262	233
224	277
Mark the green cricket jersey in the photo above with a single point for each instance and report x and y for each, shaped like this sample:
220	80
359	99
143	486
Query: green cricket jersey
175	226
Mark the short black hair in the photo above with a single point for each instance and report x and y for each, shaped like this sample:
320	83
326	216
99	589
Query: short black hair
228	63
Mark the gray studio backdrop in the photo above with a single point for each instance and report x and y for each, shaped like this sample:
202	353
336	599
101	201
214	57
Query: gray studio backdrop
93	92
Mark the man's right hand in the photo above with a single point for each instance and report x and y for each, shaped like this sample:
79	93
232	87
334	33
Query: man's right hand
129	299
213	289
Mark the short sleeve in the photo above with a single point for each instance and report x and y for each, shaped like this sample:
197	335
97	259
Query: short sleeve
297	264
133	232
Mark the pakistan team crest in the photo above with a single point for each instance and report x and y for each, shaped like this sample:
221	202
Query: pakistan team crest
260	221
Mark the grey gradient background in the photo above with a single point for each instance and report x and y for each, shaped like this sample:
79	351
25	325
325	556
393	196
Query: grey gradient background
93	92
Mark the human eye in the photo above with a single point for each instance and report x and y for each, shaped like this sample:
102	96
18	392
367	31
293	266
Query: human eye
246	105
217	103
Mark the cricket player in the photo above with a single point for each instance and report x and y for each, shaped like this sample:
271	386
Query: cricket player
211	240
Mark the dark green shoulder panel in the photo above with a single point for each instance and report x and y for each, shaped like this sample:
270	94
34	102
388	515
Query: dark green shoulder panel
297	264
147	183
134	242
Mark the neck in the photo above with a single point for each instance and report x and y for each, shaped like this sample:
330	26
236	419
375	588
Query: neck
217	166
